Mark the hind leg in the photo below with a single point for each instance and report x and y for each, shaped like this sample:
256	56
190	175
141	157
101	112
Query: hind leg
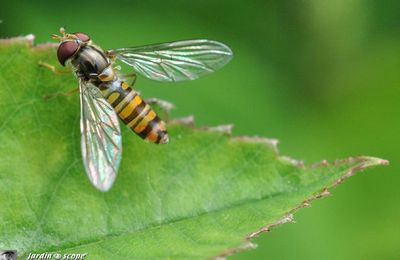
165	106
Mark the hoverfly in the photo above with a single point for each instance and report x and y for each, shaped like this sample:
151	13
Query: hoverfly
104	95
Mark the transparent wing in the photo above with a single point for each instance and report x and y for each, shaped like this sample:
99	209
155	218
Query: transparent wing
176	61
100	137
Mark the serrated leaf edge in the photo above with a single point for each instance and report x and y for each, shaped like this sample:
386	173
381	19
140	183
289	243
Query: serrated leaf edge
364	162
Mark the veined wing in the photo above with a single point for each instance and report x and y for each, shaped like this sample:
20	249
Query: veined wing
176	61
100	137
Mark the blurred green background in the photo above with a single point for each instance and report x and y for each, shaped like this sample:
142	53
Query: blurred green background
322	76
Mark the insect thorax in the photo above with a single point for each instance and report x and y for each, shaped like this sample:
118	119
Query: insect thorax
89	62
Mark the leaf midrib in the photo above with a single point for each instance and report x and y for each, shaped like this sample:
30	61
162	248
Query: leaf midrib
155	225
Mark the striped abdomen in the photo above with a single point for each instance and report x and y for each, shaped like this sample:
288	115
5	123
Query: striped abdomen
135	113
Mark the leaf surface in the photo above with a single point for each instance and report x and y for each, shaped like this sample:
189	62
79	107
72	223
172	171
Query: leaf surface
203	195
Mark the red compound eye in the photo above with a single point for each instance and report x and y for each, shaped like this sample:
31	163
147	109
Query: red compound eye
66	50
83	37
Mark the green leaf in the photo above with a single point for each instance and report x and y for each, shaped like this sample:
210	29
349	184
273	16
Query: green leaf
203	195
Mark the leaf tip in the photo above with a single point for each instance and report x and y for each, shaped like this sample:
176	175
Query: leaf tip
359	163
362	163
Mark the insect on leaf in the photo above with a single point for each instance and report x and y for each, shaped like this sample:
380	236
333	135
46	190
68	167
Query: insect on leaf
201	196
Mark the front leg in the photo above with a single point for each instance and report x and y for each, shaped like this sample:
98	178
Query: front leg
53	68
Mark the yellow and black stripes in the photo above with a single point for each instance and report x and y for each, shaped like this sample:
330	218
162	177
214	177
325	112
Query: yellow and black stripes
134	111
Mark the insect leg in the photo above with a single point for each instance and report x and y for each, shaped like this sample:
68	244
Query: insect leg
165	106
130	76
53	68
65	94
